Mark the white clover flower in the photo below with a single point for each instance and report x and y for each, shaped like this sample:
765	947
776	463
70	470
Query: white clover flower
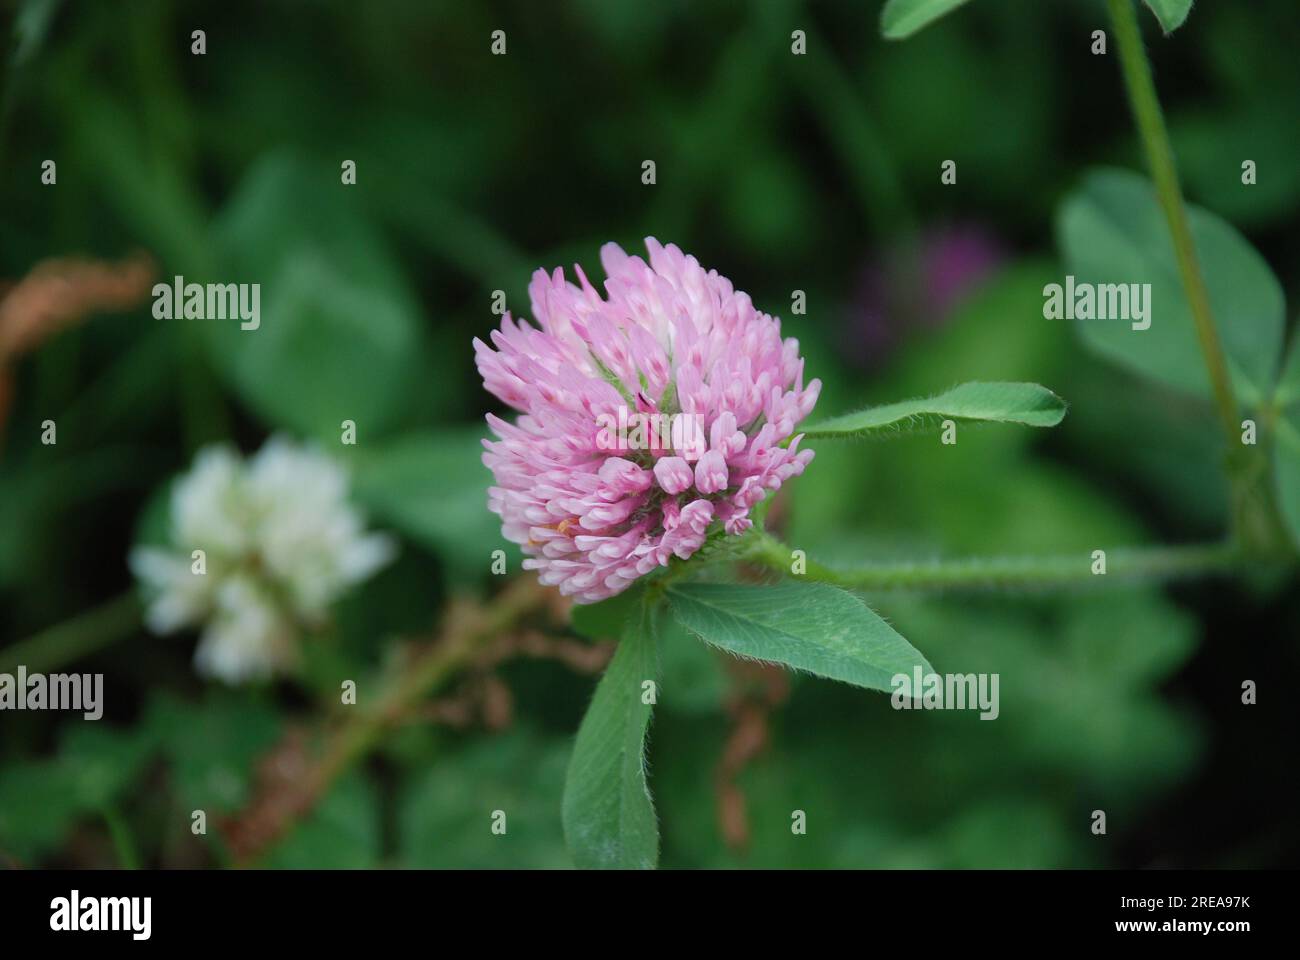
280	544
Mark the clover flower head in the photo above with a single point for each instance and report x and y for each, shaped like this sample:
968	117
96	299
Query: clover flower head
280	543
651	418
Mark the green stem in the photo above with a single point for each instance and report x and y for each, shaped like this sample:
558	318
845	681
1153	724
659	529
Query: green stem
982	573
1253	510
76	638
123	842
1160	158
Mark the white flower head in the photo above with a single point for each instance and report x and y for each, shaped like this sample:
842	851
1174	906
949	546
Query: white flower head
280	544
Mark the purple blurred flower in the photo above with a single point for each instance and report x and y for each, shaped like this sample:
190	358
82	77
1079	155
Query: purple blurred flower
917	286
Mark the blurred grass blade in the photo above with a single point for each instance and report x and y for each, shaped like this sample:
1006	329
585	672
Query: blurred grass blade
1025	403
609	817
74	639
31	27
902	18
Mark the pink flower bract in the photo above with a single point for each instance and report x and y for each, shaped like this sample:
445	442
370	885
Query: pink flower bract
667	340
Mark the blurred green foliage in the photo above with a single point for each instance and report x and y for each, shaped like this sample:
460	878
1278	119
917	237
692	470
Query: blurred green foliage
784	173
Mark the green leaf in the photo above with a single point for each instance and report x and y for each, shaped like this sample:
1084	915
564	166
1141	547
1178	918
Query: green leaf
444	812
213	746
340	833
609	818
37	807
1286	468
433	487
1112	231
1170	13
902	18
1287	394
41	800
339	335
1025	403
1286	447
808	626
1198	136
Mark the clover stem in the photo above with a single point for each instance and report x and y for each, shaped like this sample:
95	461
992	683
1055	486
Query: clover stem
467	629
128	856
1252	509
1160	158
1028	572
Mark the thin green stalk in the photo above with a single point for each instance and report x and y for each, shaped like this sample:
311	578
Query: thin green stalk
1026	572
1253	509
73	639
123	842
1160	157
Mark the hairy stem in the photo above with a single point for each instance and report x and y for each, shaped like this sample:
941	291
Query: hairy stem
1028	572
1160	158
